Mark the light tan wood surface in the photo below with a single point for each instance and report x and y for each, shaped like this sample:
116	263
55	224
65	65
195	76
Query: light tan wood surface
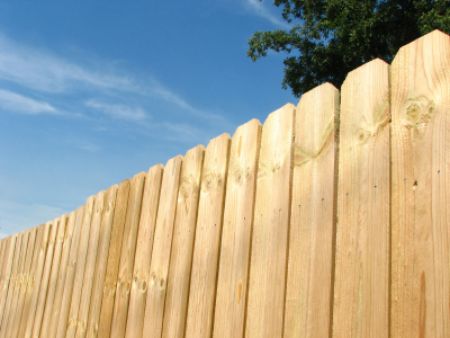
200	315
144	245
268	262
160	259
237	229
420	97
313	213
177	293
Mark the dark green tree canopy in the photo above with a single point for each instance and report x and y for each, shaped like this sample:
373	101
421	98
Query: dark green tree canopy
329	38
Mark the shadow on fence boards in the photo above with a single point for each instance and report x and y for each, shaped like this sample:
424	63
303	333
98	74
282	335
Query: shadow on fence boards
332	219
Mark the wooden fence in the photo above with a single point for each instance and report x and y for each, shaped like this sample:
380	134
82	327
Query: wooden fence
330	220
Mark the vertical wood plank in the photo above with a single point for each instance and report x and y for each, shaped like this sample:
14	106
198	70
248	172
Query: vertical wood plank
51	290
80	268
64	312
14	286
102	261
361	291
268	263
88	279
27	329
313	212
237	228
24	281
200	315
160	259
40	306
144	245
56	308
420	96
3	262
30	281
112	269
126	265
11	283
2	257
175	307
9	244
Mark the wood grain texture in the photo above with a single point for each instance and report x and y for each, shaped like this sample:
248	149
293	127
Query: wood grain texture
102	260
420	97
24	282
56	308
200	315
27	329
182	244
160	260
313	212
126	265
78	286
11	284
3	260
14	287
69	281
91	259
112	269
46	275
361	290
144	245
52	284
30	282
268	262
9	248
236	234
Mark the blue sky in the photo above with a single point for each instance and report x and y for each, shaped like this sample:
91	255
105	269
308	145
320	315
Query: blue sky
92	92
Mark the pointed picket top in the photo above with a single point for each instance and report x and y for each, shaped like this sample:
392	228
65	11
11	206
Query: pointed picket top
287	108
420	97
315	121
429	44
377	62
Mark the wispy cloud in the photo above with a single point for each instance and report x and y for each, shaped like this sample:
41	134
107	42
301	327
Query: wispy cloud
169	96
45	72
118	111
14	102
262	11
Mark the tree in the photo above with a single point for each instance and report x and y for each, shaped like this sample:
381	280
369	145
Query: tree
329	38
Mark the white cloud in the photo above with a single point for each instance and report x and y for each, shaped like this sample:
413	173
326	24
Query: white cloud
118	111
18	103
259	9
46	72
169	96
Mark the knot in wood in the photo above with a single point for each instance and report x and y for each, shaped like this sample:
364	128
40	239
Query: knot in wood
240	174
141	284
211	180
418	113
186	186
157	282
267	169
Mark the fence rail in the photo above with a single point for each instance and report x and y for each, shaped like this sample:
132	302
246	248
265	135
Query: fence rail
332	219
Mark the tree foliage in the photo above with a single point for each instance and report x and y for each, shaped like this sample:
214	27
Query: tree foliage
329	38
